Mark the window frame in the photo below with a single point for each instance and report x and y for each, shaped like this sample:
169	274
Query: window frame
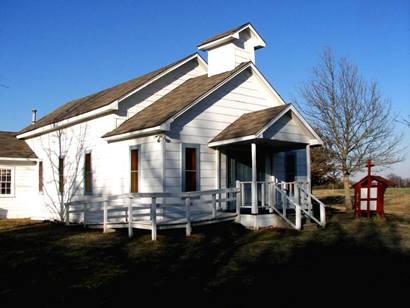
12	182
197	148
90	173
61	175
40	177
131	148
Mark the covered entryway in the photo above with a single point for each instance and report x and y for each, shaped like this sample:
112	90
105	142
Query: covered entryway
268	156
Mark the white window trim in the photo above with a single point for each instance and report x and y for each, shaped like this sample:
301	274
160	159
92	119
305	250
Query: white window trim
88	193
13	182
197	147
138	148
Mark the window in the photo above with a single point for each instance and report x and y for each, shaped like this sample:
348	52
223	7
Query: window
5	182
61	174
88	174
134	170
190	168
40	176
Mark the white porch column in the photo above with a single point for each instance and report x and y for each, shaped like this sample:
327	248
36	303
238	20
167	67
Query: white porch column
218	169
254	178
308	178
218	175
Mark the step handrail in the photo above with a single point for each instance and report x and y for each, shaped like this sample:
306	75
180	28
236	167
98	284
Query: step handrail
298	219
322	206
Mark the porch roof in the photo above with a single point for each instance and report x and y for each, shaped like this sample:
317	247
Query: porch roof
252	125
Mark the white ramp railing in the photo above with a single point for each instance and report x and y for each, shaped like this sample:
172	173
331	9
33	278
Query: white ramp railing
154	210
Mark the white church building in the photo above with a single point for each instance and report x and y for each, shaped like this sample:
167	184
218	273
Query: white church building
193	142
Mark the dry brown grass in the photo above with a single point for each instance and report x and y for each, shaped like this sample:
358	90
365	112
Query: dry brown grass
223	265
397	200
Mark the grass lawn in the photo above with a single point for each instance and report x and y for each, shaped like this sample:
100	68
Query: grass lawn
224	265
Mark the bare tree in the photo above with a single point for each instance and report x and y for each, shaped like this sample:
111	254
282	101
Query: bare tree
407	122
69	146
352	116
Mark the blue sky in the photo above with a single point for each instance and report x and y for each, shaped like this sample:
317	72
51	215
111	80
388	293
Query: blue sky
55	51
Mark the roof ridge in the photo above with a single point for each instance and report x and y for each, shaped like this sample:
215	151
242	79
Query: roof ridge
176	105
223	34
101	98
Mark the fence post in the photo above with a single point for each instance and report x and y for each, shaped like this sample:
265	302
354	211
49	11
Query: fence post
67	213
238	201
296	193
85	215
188	216
298	222
322	215
105	209
242	186
263	194
273	195
213	205
154	218
130	231
283	203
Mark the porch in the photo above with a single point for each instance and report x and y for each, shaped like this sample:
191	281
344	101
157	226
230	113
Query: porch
278	205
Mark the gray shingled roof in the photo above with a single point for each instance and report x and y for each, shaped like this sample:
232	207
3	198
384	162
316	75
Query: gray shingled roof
249	123
11	147
226	33
97	100
172	103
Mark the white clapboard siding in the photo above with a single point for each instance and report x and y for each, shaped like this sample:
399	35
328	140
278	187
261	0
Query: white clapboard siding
152	93
110	161
288	129
23	201
205	120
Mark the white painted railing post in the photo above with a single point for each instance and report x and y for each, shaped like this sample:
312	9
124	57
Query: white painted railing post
242	194
85	214
296	197
218	175
273	196
67	213
298	222
105	216
130	231
263	194
238	201
188	216
213	205
283	194
254	179
154	218
322	215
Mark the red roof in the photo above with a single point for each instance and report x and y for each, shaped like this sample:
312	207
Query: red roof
375	178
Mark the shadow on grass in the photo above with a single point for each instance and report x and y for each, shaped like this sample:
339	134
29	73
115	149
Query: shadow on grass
222	265
333	200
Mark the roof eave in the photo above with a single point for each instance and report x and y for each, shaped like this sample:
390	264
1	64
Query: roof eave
20	159
137	133
203	96
259	41
110	107
70	121
231	140
201	62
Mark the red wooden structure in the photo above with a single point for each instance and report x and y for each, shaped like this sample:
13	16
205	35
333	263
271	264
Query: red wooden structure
369	194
